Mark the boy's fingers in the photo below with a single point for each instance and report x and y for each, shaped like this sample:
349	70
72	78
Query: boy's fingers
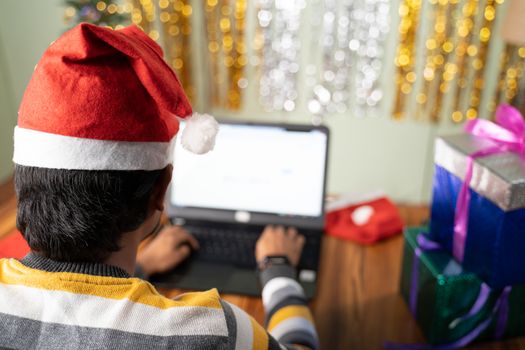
192	241
292	232
182	253
184	237
267	230
280	230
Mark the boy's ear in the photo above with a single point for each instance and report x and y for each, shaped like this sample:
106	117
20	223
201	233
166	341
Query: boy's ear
161	187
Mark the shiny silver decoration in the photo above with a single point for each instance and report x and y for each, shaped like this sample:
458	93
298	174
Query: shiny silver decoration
352	36
279	22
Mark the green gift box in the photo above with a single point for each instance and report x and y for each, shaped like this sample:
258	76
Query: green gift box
451	305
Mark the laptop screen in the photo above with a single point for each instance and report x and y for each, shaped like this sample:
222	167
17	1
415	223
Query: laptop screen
254	168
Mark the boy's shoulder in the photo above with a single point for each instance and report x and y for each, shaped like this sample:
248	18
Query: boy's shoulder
112	304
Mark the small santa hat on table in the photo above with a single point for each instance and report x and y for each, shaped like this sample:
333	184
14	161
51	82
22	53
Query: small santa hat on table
103	99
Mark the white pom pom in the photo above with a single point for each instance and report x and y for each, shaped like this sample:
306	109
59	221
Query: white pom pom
199	133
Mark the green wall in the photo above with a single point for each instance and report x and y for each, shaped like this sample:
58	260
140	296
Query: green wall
7	117
26	29
366	153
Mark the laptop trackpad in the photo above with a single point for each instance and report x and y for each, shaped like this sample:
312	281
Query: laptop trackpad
200	275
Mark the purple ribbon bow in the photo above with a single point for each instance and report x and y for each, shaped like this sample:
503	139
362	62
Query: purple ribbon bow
509	136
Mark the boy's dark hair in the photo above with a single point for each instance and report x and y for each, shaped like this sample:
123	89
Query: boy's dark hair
80	215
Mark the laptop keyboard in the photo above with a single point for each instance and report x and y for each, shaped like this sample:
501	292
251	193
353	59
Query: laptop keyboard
237	246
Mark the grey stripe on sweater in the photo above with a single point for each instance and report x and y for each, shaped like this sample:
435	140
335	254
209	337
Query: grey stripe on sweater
23	333
230	323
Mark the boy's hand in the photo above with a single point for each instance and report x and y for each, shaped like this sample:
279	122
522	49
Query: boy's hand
276	240
169	248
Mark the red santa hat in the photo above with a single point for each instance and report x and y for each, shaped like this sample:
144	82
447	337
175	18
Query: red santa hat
103	99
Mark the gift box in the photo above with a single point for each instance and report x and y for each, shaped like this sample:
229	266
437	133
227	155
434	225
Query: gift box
451	305
494	214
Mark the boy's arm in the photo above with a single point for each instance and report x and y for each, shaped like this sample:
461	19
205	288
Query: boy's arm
289	323
288	318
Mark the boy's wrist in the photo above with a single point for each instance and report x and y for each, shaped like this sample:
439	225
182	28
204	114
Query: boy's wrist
272	260
275	266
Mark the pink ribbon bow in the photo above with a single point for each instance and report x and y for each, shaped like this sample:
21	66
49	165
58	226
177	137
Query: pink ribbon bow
509	136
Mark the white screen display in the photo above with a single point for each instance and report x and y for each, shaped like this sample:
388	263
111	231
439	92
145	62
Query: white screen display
256	169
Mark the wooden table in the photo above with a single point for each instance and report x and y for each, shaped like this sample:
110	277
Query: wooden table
357	305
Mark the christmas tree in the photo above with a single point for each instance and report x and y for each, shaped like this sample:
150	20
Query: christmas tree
100	12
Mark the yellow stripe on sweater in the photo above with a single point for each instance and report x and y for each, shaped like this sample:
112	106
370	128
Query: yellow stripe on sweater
14	272
260	337
289	312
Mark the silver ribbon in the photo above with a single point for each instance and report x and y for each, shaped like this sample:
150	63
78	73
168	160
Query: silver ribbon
499	177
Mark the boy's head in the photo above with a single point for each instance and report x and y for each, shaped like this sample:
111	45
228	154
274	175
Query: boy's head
93	144
80	215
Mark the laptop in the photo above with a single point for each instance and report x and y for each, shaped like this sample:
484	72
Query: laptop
258	174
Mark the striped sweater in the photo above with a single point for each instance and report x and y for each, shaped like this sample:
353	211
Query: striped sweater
46	304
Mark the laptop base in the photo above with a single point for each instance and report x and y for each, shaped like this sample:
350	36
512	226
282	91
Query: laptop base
227	278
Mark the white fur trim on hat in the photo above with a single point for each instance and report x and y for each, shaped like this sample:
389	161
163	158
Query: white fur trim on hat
46	150
199	133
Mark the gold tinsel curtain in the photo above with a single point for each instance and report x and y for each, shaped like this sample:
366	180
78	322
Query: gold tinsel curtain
444	61
169	23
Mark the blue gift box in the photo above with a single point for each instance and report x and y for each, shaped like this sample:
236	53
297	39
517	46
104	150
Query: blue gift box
495	242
